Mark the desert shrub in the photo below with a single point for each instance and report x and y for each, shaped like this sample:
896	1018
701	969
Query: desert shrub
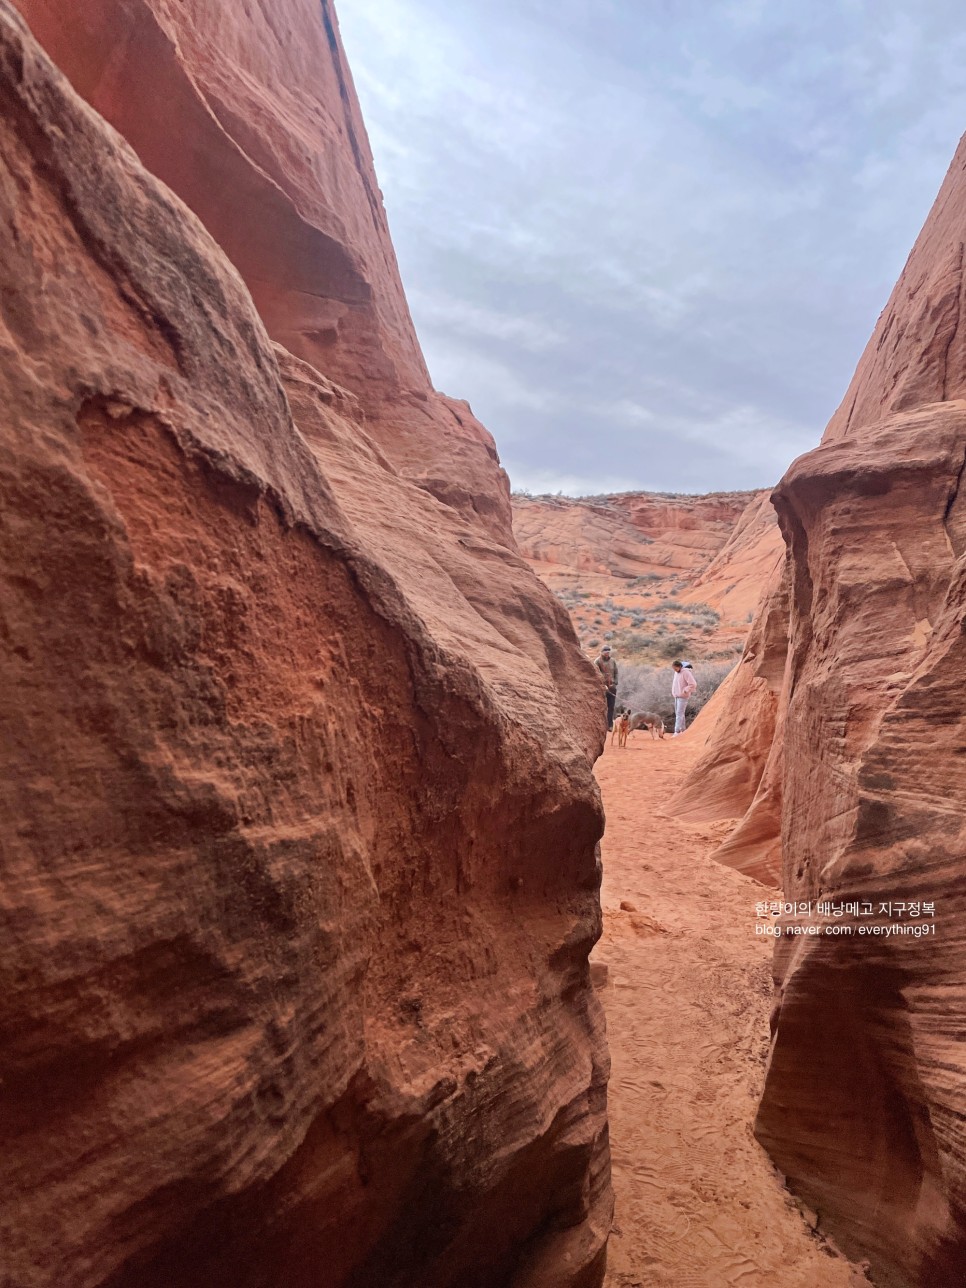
648	688
635	642
696	610
674	646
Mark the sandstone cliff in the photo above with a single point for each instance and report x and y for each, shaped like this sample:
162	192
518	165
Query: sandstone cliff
864	1101
286	998
628	534
250	116
616	560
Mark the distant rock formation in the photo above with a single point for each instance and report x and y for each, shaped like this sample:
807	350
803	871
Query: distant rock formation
629	534
741	570
638	548
299	821
865	1096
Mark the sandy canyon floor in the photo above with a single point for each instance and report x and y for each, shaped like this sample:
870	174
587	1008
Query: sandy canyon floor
687	996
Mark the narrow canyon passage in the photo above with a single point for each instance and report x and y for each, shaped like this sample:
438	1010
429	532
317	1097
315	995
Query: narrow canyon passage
687	996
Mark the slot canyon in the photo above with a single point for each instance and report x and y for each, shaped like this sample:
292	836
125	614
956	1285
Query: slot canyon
343	945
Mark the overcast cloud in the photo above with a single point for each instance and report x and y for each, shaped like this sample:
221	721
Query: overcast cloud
648	239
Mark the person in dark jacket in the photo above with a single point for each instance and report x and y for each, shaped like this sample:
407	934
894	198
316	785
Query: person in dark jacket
607	667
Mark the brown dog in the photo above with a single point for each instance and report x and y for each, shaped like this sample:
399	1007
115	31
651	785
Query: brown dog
649	720
621	729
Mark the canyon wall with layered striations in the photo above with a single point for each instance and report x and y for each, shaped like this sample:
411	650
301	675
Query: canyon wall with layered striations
285	998
862	652
625	555
632	534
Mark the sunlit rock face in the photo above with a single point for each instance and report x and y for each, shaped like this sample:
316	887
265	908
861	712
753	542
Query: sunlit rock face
299	823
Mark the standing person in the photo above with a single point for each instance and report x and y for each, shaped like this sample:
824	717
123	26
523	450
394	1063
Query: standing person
682	687
607	667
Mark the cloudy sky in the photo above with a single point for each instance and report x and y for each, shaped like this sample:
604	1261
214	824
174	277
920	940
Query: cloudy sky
648	239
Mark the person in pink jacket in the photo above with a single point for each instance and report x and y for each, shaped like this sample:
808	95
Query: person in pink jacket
682	687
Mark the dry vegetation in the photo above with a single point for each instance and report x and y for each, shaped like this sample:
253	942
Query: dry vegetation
648	688
654	630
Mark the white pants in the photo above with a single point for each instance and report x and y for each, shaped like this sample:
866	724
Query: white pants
680	707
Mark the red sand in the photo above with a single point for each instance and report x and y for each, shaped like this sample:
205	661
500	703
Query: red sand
687	998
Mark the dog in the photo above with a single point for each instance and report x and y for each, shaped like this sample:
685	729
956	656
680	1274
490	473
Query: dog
649	720
621	730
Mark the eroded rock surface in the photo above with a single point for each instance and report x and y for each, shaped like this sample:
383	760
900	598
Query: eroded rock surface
300	874
864	1102
739	773
248	112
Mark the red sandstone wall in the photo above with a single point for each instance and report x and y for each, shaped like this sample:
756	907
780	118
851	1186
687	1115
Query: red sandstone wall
864	1104
299	821
248	113
864	1100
